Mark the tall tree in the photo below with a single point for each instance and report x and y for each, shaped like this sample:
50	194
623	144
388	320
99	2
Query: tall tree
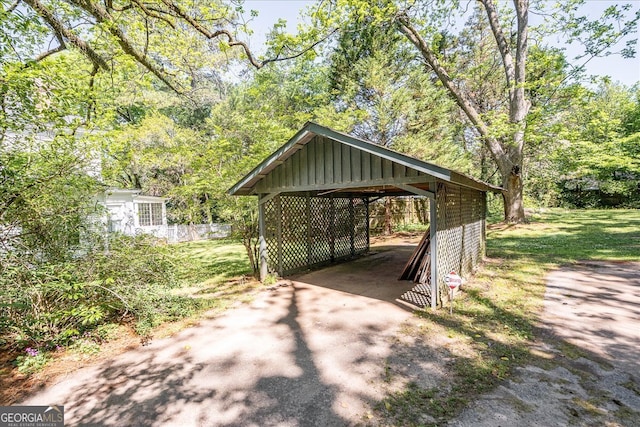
600	158
504	134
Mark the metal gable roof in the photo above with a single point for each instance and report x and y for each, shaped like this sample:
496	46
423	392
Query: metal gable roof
246	185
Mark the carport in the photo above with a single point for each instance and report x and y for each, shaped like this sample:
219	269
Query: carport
314	194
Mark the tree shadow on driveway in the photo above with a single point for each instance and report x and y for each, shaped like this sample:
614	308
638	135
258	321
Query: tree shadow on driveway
301	354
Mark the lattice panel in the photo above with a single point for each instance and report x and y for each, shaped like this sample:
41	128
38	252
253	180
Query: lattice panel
460	231
361	225
293	214
342	226
306	231
320	223
270	232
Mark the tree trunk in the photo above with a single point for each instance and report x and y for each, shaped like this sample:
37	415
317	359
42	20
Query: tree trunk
513	203
388	226
506	153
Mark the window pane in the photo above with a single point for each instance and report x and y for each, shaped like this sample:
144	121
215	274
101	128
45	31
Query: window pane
144	214
156	213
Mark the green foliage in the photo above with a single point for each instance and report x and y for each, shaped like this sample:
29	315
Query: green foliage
54	303
600	162
32	362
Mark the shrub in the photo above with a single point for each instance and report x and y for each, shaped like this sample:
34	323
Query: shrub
47	304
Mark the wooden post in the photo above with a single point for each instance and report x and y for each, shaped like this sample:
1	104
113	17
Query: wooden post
352	222
308	215
366	202
332	228
262	242
433	234
278	203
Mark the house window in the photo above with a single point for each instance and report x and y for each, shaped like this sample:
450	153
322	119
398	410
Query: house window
150	213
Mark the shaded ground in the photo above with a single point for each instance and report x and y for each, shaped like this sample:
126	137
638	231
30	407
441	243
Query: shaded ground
312	352
327	346
591	334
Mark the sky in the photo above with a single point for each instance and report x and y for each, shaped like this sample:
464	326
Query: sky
623	70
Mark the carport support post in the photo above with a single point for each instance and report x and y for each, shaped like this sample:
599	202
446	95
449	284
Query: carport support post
278	203
352	220
262	243
433	235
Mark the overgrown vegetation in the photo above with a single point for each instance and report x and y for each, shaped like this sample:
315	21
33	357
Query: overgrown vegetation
137	281
494	319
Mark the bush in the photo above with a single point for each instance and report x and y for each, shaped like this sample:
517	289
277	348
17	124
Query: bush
48	304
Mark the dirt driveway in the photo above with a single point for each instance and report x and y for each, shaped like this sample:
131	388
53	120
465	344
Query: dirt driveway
590	335
311	353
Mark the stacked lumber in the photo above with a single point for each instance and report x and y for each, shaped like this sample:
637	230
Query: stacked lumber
418	268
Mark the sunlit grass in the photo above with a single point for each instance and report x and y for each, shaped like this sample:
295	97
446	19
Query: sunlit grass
209	262
215	273
496	313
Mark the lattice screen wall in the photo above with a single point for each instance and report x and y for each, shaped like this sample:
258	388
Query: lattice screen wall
460	231
302	232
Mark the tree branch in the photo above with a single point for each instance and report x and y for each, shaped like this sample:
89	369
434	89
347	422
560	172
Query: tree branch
61	46
472	114
102	16
60	29
155	13
13	6
233	41
501	41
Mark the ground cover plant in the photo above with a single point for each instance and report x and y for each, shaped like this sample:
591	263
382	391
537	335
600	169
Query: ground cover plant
133	288
495	318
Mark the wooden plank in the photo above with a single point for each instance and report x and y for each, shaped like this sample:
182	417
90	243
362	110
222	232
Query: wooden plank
366	166
328	161
304	173
376	167
319	159
414	270
346	164
408	266
288	173
337	161
387	168
295	162
425	273
356	165
277	180
311	162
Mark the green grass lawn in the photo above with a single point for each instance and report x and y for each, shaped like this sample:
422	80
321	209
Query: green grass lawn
495	316
565	236
214	272
209	262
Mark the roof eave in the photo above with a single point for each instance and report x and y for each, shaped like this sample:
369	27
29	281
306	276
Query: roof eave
245	186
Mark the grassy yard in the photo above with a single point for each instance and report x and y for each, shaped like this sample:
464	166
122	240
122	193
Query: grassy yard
216	272
210	262
494	321
210	275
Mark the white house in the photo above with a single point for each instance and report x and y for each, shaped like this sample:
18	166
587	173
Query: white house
131	213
